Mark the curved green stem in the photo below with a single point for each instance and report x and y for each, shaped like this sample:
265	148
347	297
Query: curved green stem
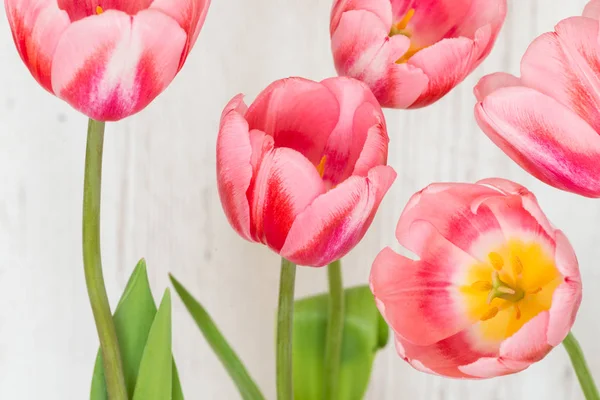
285	316
335	330
92	264
581	368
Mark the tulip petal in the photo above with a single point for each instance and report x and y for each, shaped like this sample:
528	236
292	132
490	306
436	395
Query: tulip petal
565	65
493	82
528	200
112	65
278	198
565	303
420	291
490	367
37	26
298	113
433	20
448	208
535	131
359	112
381	8
362	49
566	260
592	9
529	344
447	356
337	220
447	63
234	171
189	14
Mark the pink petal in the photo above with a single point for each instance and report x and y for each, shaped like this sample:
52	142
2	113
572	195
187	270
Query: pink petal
528	200
113	65
447	63
528	344
446	356
190	14
490	367
337	220
544	138
493	82
592	9
37	26
565	65
359	112
381	8
418	296
234	171
298	113
433	20
362	50
374	151
449	208
284	186
566	260
565	304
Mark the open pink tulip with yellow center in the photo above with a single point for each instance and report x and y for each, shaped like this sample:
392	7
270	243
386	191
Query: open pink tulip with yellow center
495	288
412	52
303	169
107	58
548	120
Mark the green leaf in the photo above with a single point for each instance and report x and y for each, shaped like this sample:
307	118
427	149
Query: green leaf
217	342
133	319
155	379
365	332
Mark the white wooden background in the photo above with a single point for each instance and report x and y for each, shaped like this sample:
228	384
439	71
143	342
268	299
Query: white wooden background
160	202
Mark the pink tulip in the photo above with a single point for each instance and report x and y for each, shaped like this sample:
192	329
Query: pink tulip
411	53
303	170
495	288
108	59
548	121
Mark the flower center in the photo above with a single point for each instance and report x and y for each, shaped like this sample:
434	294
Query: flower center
401	28
99	10
321	166
514	285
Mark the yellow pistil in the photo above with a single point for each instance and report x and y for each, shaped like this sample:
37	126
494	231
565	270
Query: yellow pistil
99	10
500	300
321	166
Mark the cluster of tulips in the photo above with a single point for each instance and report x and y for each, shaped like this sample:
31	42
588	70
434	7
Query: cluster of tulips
493	286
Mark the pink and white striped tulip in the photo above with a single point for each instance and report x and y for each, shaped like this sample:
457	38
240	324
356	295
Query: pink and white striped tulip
411	53
495	287
548	120
303	169
106	58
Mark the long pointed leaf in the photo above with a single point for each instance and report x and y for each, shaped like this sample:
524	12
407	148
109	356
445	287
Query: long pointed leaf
155	379
215	339
133	319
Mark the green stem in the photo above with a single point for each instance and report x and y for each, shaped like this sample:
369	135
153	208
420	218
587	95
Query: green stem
92	264
581	368
285	316
335	330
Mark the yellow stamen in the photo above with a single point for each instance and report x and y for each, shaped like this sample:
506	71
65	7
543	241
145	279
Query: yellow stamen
518	312
482	286
536	291
405	20
321	166
517	266
491	313
496	260
99	10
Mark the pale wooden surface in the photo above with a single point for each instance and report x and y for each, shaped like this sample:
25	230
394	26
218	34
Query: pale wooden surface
160	202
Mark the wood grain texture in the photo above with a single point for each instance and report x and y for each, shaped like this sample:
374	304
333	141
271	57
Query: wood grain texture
160	202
